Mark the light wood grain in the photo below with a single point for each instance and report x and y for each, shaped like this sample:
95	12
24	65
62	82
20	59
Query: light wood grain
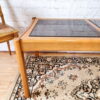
30	28
20	58
42	18
8	75
61	44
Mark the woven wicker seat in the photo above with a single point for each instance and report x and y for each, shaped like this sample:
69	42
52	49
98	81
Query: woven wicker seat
6	30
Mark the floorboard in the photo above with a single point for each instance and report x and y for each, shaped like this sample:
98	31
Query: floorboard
8	74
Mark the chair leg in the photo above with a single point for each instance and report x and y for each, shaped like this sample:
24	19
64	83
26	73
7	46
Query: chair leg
8	44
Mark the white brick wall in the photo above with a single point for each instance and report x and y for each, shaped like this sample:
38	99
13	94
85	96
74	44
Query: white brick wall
18	13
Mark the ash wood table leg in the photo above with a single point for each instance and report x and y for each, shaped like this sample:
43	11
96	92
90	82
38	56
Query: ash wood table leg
8	44
36	53
22	69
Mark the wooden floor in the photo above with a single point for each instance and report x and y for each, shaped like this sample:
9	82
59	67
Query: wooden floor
8	74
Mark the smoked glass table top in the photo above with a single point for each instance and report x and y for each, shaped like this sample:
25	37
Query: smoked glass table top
63	28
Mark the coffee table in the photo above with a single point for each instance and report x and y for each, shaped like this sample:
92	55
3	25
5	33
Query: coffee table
45	34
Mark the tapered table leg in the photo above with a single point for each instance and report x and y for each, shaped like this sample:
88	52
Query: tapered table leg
22	69
36	53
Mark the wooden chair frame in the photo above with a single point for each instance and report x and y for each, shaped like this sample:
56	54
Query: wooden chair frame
7	37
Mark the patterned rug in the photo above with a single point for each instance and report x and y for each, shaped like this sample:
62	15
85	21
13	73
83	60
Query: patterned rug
61	78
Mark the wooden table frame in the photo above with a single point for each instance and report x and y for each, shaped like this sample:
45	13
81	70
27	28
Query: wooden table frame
25	44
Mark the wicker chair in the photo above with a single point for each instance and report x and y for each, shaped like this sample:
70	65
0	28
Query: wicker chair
6	32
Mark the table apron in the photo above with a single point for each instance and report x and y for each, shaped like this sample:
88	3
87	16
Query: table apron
61	46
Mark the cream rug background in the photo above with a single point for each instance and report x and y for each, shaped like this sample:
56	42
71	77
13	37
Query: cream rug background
61	78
